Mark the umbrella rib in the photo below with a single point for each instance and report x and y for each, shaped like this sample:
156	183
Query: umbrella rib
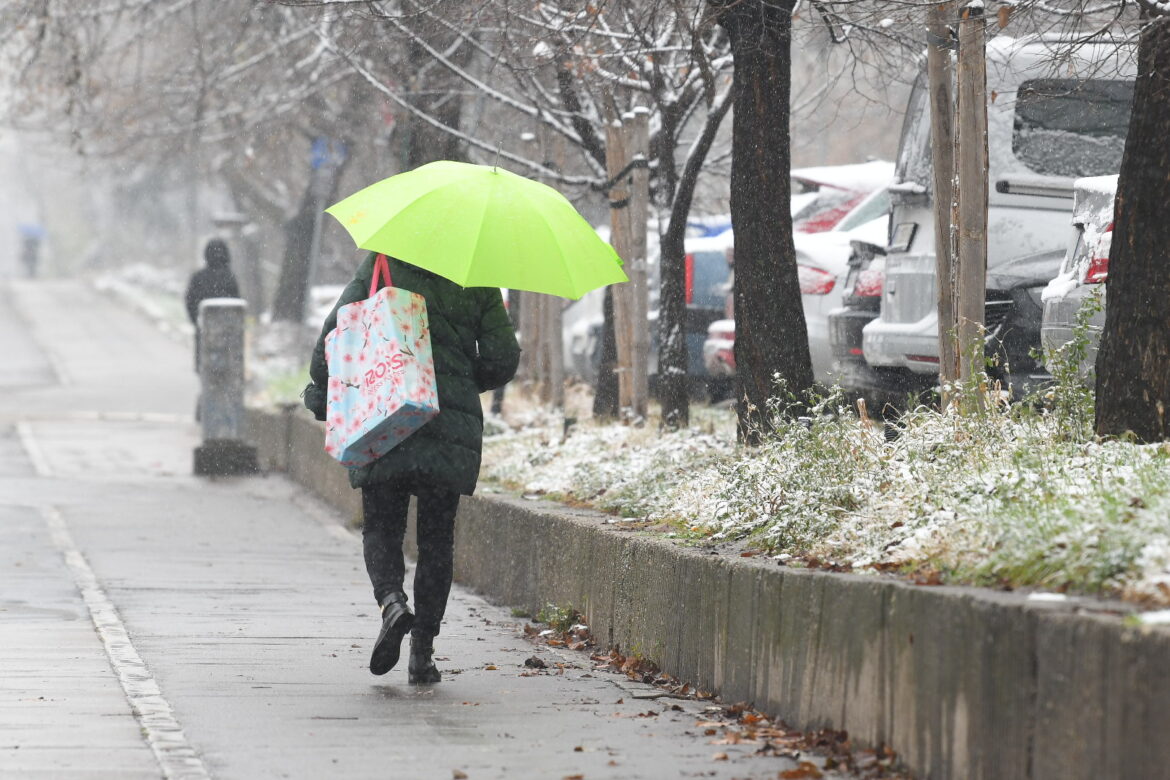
479	233
403	215
568	268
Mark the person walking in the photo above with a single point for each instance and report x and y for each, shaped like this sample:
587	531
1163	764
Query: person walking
214	280
475	350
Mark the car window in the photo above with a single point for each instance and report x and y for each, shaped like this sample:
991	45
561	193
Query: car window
1066	127
822	214
710	278
1077	261
914	145
867	211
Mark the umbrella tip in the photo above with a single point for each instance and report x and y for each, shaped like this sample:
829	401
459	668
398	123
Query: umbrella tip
496	162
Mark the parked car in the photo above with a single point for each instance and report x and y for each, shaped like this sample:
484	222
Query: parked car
861	297
1084	271
828	193
822	197
707	271
1011	316
1046	126
822	263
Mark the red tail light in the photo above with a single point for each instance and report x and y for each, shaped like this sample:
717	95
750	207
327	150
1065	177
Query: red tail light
1098	270
690	277
869	284
814	281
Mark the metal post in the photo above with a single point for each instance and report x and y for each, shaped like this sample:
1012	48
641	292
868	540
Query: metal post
221	404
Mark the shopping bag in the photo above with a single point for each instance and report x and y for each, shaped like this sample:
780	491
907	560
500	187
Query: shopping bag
381	372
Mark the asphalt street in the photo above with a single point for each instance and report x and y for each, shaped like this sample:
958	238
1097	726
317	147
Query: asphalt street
153	624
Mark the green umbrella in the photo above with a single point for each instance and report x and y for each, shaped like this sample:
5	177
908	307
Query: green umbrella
480	226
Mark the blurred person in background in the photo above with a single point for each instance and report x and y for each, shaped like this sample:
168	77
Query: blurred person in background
214	280
30	248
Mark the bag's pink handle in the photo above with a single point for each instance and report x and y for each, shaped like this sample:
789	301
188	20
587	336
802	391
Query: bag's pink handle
381	268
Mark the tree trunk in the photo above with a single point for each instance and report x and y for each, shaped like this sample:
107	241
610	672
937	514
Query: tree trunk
1133	364
672	300
436	92
672	321
771	338
605	396
288	303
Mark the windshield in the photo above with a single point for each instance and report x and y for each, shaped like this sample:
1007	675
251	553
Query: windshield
825	211
1066	127
867	211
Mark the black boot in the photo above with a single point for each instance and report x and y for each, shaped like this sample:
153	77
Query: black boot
421	669
396	621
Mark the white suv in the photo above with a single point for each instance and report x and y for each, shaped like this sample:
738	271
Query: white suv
1055	112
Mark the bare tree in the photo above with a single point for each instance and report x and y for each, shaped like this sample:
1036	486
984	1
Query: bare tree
771	337
183	93
562	69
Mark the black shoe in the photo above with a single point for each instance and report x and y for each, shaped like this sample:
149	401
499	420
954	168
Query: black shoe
396	621
421	669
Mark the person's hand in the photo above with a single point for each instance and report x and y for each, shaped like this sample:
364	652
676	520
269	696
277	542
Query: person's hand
315	399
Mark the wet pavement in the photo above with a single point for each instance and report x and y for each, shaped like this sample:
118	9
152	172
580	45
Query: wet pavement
154	624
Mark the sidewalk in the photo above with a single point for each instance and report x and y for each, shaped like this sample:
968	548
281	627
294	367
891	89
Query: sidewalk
246	611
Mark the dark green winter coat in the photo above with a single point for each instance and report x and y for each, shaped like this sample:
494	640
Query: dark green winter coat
475	350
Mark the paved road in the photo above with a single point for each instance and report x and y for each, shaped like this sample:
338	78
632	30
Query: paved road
152	624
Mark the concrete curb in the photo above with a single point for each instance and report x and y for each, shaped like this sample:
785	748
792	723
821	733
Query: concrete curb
961	682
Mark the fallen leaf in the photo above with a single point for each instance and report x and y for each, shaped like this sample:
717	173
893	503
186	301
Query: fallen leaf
805	770
719	757
535	663
578	749
458	775
490	668
574	777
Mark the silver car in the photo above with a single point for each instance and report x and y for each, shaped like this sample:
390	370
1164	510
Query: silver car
1048	123
1080	283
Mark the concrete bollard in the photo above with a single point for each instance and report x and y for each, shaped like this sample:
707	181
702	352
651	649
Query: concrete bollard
221	405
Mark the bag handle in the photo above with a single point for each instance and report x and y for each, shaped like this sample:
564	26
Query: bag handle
381	268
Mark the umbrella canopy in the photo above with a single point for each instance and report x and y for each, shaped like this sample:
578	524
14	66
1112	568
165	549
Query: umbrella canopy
480	226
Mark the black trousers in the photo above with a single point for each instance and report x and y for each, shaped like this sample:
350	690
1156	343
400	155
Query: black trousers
384	507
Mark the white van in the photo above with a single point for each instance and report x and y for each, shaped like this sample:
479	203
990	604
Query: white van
1055	112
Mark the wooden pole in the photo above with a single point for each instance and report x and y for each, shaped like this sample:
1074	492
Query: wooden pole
972	189
638	146
940	75
616	158
554	307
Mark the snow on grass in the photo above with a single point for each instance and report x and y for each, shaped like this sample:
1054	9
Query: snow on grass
1008	496
626	470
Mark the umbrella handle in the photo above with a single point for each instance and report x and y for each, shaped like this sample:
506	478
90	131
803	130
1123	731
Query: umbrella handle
381	268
